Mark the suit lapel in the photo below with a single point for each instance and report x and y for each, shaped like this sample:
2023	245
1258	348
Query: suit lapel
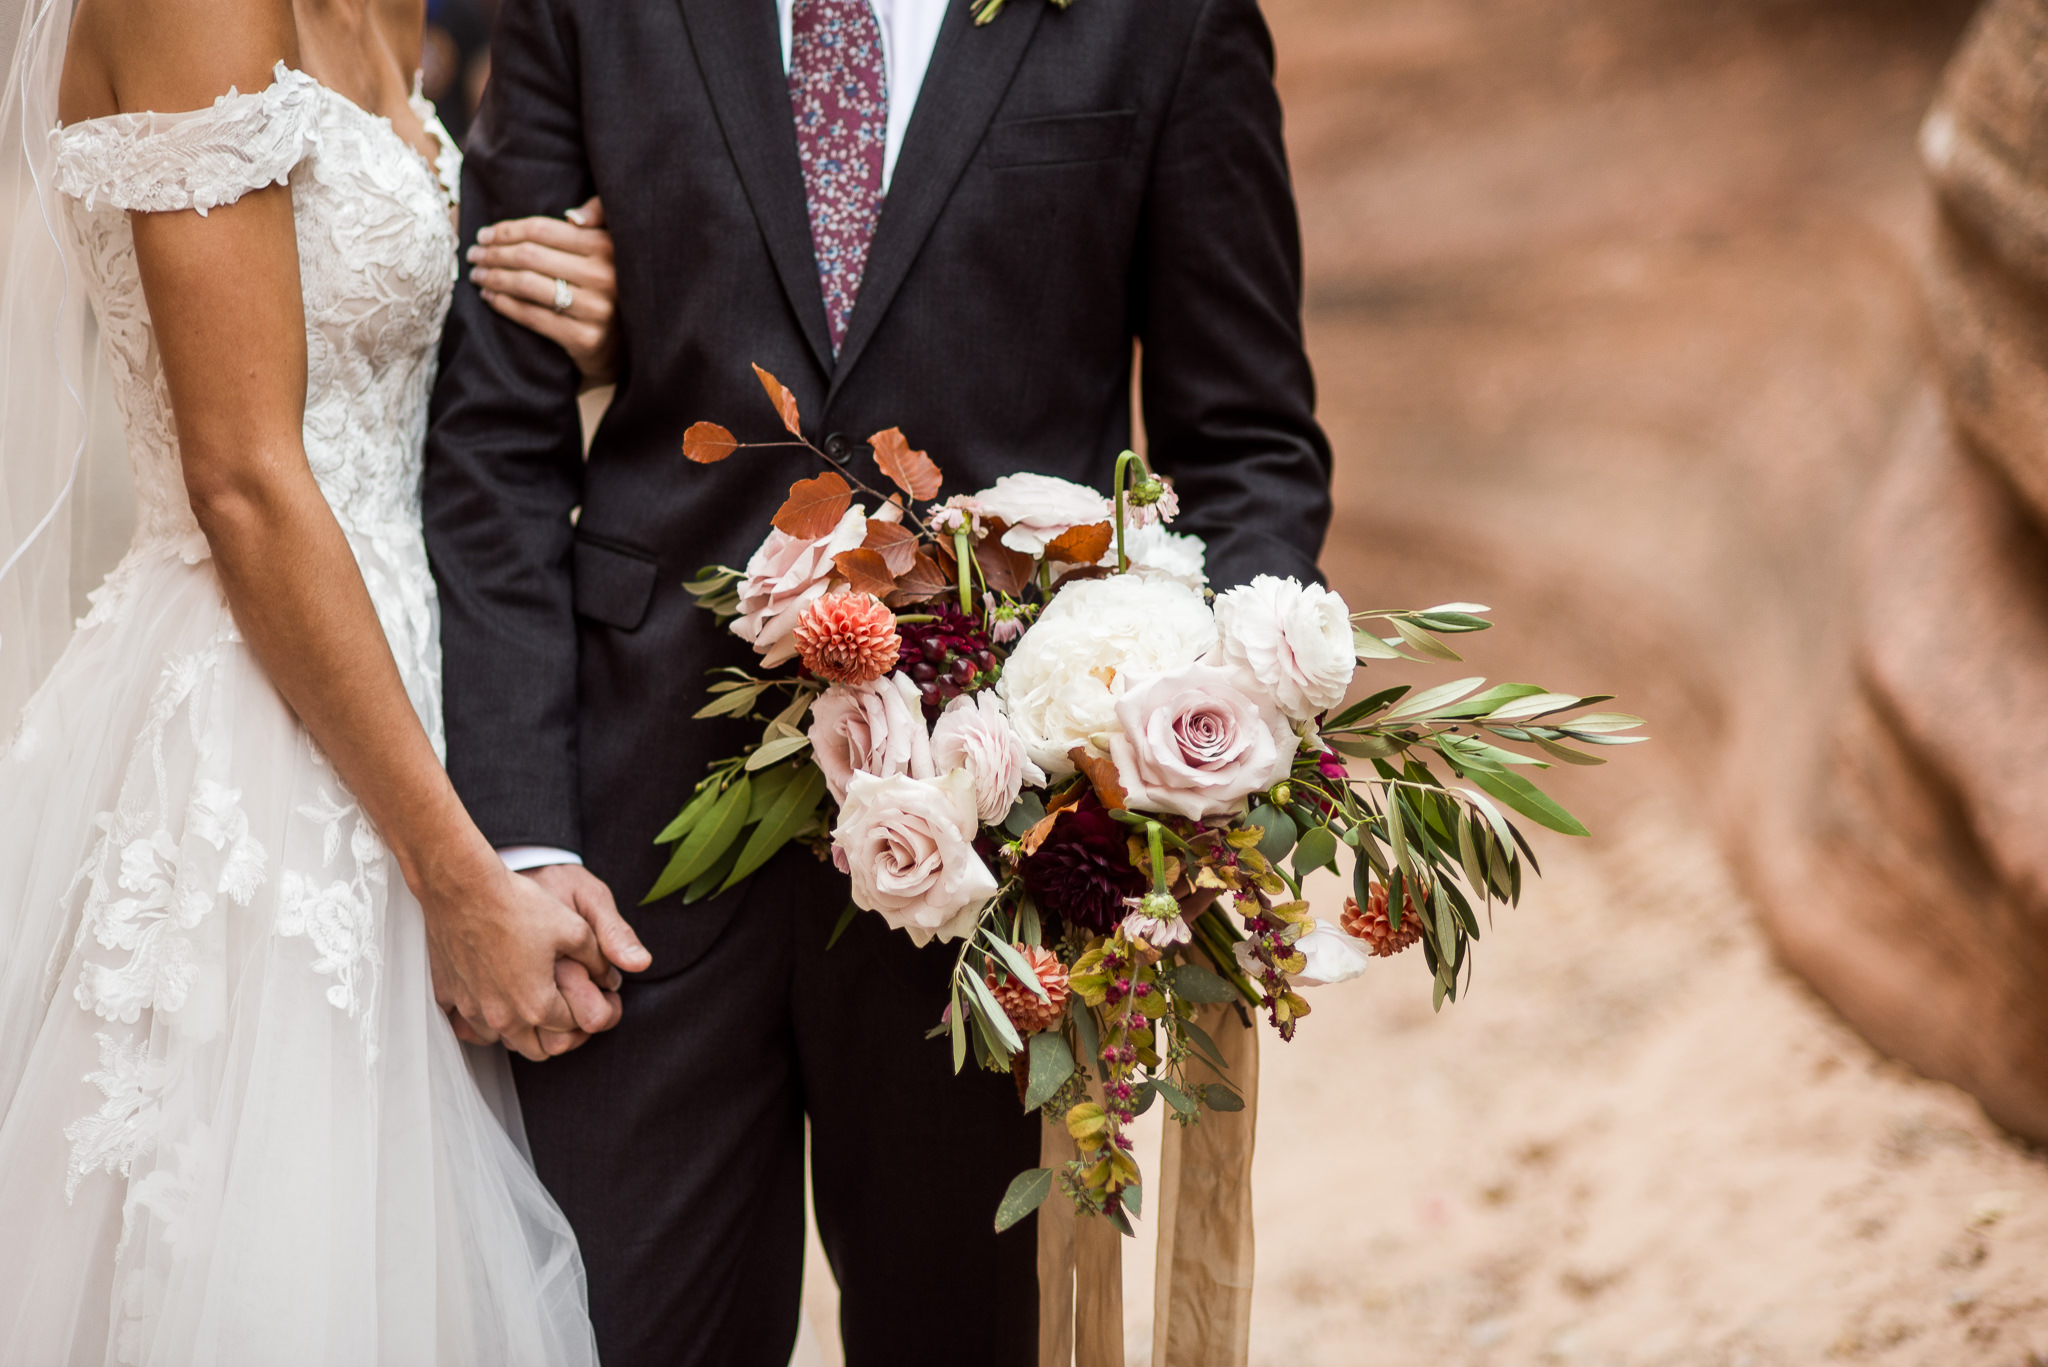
970	72
739	54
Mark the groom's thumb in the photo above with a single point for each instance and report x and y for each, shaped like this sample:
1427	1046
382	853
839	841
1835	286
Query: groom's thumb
614	936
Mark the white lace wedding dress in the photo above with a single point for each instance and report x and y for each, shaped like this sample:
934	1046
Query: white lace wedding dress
236	1129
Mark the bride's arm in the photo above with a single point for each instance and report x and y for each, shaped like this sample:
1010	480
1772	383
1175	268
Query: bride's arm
224	294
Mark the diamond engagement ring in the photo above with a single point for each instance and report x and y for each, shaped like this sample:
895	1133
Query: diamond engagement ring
564	296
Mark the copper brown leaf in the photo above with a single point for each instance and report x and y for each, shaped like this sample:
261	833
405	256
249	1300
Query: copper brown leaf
1082	545
784	401
707	443
894	542
1102	774
1007	571
911	471
924	579
865	572
814	507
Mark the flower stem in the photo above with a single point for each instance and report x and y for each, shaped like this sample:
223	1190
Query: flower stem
1123	469
964	554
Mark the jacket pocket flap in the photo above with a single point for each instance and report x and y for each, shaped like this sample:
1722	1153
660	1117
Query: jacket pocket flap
1062	138
614	583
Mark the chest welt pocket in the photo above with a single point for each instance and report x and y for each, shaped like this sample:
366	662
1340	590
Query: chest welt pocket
613	582
1062	139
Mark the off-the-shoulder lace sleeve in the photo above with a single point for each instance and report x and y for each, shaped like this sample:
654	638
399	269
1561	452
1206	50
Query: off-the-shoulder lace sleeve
159	163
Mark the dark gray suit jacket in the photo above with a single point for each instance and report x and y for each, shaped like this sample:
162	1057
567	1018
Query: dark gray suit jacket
1072	180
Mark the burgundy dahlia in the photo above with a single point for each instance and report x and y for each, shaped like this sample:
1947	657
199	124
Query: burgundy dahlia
1082	873
947	658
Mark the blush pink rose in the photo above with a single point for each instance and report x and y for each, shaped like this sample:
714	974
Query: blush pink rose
785	576
871	728
1194	743
974	733
908	845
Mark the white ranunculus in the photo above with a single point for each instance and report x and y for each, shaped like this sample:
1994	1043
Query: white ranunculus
908	845
1040	509
1061	683
1156	552
1294	639
974	734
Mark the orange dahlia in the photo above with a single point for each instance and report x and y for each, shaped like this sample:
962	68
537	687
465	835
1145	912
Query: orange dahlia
1029	1012
1373	926
848	638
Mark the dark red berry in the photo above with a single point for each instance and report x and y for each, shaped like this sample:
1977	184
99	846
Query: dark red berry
923	672
961	671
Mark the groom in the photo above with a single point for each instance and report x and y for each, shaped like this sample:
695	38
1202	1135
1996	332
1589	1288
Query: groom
911	221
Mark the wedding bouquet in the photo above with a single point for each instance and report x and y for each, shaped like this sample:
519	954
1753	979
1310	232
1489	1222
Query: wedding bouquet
1020	723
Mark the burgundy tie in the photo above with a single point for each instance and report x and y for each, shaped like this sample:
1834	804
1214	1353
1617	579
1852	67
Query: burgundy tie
839	93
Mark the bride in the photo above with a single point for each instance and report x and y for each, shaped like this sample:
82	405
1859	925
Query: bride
237	893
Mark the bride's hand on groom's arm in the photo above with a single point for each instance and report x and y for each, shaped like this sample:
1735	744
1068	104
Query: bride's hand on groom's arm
526	267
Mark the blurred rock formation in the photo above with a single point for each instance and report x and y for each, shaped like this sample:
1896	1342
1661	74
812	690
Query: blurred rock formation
1928	924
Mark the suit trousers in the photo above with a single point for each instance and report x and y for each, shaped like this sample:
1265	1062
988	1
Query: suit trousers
675	1145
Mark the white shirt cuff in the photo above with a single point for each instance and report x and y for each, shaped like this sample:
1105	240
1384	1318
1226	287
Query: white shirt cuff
520	858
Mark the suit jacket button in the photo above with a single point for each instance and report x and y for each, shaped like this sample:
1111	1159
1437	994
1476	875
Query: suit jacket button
838	447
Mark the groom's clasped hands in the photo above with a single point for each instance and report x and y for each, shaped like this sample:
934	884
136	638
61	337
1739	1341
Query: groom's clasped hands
532	961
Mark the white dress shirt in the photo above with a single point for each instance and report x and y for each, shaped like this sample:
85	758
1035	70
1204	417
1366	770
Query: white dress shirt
910	29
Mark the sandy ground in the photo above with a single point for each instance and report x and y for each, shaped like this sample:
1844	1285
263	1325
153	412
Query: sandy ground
1613	307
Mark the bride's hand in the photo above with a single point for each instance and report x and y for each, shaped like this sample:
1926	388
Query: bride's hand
494	939
526	267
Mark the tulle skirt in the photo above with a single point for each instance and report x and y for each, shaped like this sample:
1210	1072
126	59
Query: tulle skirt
234	1127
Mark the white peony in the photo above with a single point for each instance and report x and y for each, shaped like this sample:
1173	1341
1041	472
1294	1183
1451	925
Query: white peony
1333	956
1062	682
1040	509
974	734
1155	552
1294	639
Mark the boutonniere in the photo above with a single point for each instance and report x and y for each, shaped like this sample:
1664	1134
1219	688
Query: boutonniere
986	10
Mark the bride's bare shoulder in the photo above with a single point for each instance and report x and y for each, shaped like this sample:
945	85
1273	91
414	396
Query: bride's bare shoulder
126	56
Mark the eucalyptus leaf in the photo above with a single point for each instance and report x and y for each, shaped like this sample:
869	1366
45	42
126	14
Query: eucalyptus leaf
699	803
1205	1045
710	838
701	886
1028	811
777	750
1431	699
1196	983
1370	647
1222	1098
1052	1063
845	920
1016	963
1027	1193
1531	801
1175	1097
1089	1035
1566	753
1365	707
1278	828
736	703
991	1010
1424	643
791	812
1317	849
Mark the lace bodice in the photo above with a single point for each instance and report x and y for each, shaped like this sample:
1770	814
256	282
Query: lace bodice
377	263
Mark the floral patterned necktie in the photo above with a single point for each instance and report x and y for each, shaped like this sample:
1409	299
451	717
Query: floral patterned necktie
839	92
